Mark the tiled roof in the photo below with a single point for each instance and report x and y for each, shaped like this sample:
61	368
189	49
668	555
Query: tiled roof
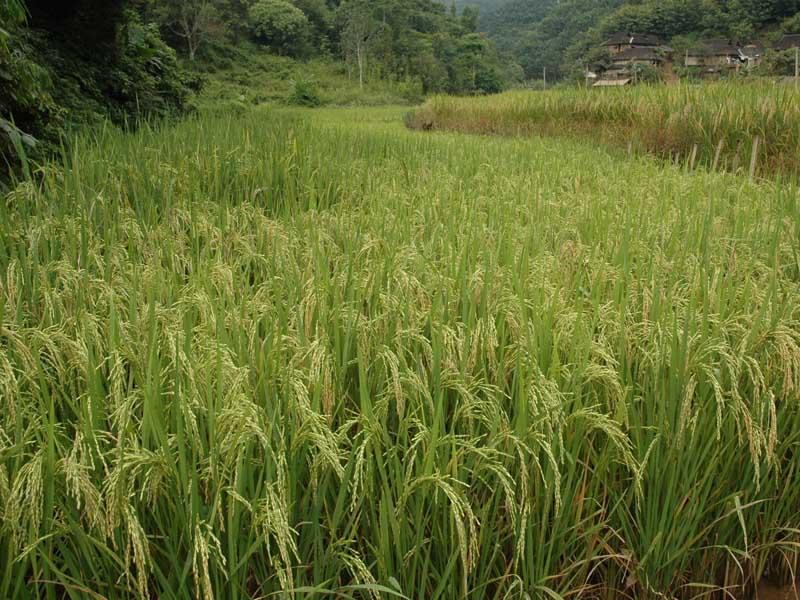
632	39
716	47
789	41
720	47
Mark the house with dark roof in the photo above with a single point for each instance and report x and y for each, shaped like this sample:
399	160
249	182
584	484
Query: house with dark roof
715	56
624	63
788	42
628	52
620	42
627	59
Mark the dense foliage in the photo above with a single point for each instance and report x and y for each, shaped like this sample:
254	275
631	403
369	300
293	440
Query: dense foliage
25	101
378	39
83	60
562	36
78	62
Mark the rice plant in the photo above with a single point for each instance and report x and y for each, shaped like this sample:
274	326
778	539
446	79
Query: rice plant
313	354
747	127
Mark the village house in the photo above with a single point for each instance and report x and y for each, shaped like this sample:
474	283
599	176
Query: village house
712	57
620	42
715	56
624	63
788	42
627	52
637	56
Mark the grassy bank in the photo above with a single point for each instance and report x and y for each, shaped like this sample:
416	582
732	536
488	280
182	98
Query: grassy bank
313	353
248	76
744	127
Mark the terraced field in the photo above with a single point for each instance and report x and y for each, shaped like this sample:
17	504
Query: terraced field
745	127
307	354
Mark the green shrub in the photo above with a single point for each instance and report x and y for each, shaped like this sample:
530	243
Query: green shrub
778	63
305	93
647	73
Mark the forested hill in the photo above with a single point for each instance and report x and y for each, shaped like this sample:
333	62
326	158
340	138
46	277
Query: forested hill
484	6
561	35
74	61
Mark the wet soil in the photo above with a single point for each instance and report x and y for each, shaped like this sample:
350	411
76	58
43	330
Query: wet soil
770	592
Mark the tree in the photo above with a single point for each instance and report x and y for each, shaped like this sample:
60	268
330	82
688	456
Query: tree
278	24
664	18
359	33
320	20
473	66
193	21
778	63
469	19
760	12
78	61
90	27
234	14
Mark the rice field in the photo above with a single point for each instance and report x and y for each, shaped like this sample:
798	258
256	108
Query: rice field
313	354
750	128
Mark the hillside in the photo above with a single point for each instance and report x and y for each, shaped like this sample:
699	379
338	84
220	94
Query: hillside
485	6
84	61
509	21
563	35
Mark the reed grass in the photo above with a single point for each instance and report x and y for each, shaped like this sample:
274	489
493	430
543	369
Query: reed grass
301	355
736	127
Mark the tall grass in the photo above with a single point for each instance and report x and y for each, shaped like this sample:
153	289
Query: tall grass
300	356
723	126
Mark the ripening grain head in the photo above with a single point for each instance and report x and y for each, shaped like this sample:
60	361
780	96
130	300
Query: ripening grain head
279	355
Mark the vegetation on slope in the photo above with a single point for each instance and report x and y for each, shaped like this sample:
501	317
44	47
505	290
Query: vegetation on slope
77	62
731	127
252	78
386	39
563	36
84	61
318	354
